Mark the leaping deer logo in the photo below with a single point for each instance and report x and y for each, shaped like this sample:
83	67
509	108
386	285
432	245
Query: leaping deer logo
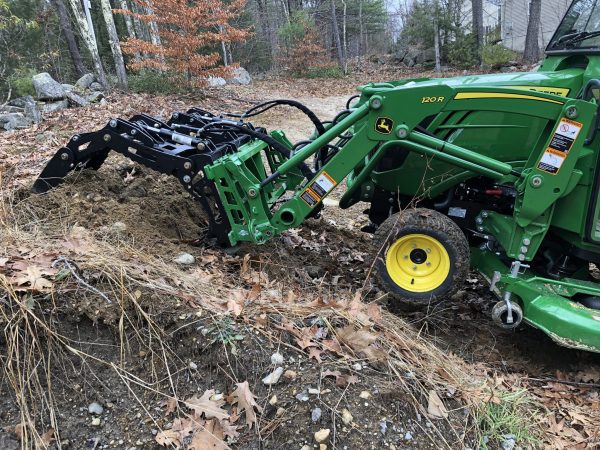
384	125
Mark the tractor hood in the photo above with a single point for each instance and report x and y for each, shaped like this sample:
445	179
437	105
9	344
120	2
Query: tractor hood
564	83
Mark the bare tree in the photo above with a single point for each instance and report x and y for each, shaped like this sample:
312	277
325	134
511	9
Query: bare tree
67	31
532	46
478	31
130	26
336	36
113	41
89	39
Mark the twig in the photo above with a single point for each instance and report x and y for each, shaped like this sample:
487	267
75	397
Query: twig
570	383
67	263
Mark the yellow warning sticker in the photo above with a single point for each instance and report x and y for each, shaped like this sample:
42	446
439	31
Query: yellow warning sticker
561	143
318	189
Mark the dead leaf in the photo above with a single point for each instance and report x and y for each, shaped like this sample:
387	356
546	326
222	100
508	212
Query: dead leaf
170	405
246	400
435	407
209	437
47	438
204	405
33	279
181	429
315	354
362	342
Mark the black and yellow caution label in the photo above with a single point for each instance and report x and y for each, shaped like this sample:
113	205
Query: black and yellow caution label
561	143
318	189
384	125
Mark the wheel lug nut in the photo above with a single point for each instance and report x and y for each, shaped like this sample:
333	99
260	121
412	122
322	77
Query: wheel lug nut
405	256
428	263
414	267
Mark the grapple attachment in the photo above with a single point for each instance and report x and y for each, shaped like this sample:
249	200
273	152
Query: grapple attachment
181	147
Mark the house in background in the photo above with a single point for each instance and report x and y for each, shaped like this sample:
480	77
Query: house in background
515	16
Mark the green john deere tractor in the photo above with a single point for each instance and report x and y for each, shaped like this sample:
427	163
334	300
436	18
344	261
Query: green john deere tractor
499	173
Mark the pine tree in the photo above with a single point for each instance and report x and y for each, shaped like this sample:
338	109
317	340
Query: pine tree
191	34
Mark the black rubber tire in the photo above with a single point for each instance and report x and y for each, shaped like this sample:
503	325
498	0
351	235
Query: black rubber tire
591	302
427	222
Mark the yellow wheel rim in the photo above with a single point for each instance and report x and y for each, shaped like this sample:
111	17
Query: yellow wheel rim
418	263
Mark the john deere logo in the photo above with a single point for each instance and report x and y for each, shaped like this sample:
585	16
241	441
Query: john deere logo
384	125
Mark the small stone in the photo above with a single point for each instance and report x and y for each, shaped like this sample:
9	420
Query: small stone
96	422
322	434
346	416
408	436
357	366
314	391
277	359
306	447
273	377
322	447
316	414
290	375
365	394
95	408
280	412
509	442
119	227
303	397
192	365
325	391
185	259
383	427
273	400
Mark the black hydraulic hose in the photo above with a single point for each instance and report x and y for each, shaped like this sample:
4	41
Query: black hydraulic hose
587	92
283	150
350	100
259	109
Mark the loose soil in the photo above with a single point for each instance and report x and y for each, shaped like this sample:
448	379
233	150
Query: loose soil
175	331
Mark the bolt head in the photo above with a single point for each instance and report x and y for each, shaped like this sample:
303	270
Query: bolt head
187	165
113	123
537	181
572	112
201	146
521	257
64	156
402	132
175	115
106	137
187	179
526	241
376	103
75	138
484	214
133	132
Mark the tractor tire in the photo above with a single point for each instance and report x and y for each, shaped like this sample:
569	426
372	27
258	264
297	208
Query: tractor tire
421	257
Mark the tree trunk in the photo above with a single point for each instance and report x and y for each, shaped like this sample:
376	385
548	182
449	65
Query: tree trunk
361	30
477	9
115	46
532	47
67	31
436	41
336	36
88	38
345	37
130	27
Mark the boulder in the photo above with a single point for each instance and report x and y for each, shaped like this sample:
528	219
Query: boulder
426	56
32	111
94	97
85	81
95	86
67	87
239	75
47	88
55	106
14	121
76	100
216	81
21	102
11	109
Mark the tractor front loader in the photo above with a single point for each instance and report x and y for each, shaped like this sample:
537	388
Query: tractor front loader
498	173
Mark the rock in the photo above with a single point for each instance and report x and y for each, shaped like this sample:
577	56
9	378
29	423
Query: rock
408	436
290	375
216	81
47	88
383	427
280	412
357	366
365	394
192	365
21	102
314	271
306	447
273	400
509	441
11	109
185	259
425	56
67	87
55	106
346	417
276	359
119	227
76	100
313	391
302	396
239	75
95	408
95	96
322	447
85	81
273	377
322	435
96	422
95	86
14	121
315	415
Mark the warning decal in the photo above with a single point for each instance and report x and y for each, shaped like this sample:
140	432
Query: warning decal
318	189
565	135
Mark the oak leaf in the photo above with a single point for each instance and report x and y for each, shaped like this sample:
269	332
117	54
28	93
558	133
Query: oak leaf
435	407
204	405
246	400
